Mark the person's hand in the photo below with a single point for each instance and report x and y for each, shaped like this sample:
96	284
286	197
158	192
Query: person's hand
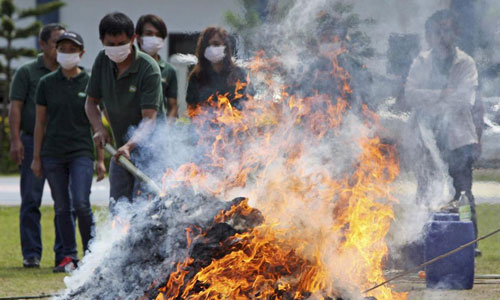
101	137
101	170
17	151
123	150
36	167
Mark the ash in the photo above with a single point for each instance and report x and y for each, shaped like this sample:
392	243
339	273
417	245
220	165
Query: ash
131	264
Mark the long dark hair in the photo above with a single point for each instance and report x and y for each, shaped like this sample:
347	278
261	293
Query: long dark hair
200	71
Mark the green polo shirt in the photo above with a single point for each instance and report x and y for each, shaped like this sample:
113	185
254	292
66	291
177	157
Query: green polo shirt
123	98
68	134
23	88
168	79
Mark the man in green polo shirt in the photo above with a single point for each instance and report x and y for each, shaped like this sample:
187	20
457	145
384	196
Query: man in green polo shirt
127	82
22	124
151	34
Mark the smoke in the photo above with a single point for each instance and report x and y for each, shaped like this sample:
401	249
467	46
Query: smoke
288	167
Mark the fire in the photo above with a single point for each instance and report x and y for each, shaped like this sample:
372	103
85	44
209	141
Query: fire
323	234
120	224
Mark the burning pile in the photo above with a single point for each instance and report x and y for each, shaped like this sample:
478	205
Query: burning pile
323	233
317	206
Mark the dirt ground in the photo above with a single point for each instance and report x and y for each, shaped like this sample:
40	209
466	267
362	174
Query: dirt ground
484	289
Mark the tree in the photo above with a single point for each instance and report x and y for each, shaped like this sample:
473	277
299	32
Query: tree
10	14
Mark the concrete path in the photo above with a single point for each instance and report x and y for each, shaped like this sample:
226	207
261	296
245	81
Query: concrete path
10	195
484	191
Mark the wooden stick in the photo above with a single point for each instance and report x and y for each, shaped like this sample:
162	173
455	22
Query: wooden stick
129	166
432	260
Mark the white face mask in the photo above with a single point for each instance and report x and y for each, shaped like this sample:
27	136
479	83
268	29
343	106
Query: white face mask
117	53
215	54
68	60
152	44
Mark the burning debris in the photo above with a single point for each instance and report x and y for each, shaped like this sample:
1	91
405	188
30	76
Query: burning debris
317	180
159	235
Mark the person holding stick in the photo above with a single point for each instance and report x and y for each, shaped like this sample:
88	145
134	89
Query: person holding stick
127	83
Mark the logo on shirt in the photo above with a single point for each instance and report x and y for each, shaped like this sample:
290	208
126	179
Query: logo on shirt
82	94
132	89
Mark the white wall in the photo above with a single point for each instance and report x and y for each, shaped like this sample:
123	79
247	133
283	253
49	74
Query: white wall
83	16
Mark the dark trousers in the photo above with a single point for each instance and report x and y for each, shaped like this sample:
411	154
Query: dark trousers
70	182
122	185
460	169
31	199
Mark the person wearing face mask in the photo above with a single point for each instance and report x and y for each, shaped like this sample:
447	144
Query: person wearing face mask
22	125
151	33
215	73
127	83
63	148
444	129
332	50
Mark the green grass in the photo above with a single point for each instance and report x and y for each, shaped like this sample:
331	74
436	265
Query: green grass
487	175
17	281
489	262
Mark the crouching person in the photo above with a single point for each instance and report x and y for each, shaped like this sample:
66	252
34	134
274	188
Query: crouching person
63	149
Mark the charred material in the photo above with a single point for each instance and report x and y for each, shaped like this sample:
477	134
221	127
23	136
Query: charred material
155	242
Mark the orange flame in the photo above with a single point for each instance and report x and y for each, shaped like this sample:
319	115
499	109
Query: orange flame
323	233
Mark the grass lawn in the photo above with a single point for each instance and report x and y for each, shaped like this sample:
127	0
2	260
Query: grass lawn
17	281
487	175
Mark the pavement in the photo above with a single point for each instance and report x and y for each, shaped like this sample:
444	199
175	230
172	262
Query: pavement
10	195
484	191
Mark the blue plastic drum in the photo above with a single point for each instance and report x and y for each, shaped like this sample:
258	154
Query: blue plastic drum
445	217
457	270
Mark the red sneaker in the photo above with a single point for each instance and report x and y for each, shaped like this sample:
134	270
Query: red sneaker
67	265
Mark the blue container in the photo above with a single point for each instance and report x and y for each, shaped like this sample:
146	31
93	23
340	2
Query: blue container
445	217
457	270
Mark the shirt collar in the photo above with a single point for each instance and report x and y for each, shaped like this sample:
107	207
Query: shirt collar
76	78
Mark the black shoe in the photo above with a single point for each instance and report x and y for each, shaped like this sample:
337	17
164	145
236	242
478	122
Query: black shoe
31	262
477	253
58	261
67	265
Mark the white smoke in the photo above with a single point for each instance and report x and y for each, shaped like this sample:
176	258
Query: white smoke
109	271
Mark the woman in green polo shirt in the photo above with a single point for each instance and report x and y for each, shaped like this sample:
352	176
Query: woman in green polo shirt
63	148
215	73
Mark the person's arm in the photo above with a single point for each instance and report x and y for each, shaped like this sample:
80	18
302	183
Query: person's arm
171	94
142	132
101	136
173	111
40	124
18	94
16	145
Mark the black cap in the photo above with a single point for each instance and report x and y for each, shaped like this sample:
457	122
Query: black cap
72	36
